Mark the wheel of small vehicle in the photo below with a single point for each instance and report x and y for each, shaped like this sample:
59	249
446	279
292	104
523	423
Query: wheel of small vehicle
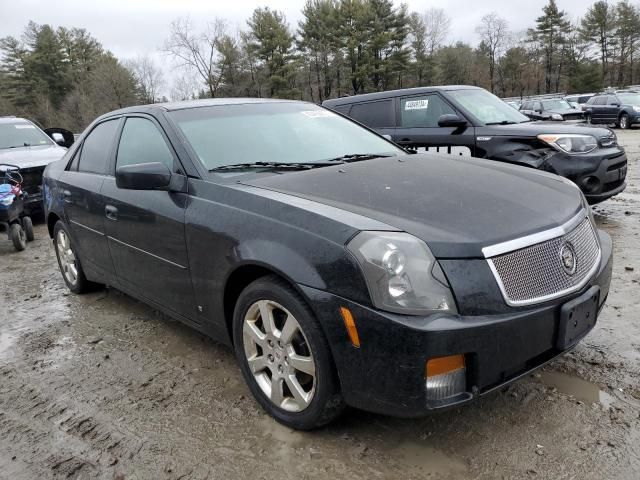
587	118
284	355
68	261
624	121
27	225
18	237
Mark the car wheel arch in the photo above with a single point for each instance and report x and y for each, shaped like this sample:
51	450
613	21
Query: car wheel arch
241	277
52	219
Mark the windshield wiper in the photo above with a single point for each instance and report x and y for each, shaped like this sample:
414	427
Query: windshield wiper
272	165
355	157
503	122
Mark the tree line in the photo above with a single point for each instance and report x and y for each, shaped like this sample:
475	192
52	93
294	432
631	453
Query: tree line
340	47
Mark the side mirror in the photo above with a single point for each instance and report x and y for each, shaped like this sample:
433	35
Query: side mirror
451	120
144	176
62	137
615	104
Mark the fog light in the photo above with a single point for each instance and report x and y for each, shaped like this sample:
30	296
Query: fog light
590	184
446	377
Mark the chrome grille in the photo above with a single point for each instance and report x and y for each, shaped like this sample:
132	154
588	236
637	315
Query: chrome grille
535	273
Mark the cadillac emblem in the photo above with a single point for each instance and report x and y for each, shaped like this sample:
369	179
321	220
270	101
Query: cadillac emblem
568	258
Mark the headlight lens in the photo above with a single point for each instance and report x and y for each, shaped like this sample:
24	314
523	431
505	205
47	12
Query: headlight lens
556	116
636	108
572	144
401	273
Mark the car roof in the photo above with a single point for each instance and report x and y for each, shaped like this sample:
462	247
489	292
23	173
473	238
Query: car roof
365	97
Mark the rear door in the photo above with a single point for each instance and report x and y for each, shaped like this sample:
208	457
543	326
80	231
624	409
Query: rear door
598	109
84	205
145	228
418	127
612	108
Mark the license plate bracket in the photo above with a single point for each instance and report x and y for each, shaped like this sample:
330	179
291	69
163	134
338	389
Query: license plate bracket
577	317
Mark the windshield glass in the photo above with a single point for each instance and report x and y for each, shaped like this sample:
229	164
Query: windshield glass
629	98
274	132
487	107
556	105
21	134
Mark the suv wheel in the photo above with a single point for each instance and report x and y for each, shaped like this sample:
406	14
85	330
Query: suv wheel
587	118
624	121
284	355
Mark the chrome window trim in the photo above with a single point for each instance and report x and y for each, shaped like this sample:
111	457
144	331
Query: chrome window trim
523	242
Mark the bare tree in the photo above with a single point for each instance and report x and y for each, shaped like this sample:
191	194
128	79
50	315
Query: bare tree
149	77
493	31
198	52
437	24
184	87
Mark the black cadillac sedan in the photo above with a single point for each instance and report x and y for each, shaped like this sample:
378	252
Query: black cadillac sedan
342	270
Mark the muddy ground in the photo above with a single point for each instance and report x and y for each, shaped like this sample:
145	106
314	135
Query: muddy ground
101	386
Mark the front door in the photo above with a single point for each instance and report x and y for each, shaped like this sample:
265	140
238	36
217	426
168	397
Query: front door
84	205
418	127
145	228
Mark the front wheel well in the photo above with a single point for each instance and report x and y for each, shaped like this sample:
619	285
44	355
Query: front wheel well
52	219
236	283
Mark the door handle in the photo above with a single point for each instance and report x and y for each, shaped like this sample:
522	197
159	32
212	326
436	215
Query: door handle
111	212
66	196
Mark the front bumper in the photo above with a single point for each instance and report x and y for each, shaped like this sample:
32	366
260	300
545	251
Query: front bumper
600	175
386	374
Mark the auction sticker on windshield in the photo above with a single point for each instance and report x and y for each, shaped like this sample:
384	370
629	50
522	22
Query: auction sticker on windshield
318	113
417	104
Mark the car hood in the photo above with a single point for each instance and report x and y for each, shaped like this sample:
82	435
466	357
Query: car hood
456	205
532	129
29	157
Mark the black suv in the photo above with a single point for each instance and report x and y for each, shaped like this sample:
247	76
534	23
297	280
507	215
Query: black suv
621	108
464	120
555	109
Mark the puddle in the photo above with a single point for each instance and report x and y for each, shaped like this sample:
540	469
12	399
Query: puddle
428	461
576	387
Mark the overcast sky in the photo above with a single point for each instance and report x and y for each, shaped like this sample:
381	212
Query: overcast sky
132	27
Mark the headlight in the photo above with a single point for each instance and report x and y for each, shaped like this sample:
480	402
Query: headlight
636	108
572	144
401	273
556	116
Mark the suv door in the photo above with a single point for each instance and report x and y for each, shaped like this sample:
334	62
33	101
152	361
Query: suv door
145	228
418	126
80	184
598	109
612	109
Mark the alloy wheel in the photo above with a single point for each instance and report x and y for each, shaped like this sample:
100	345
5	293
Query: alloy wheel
279	356
624	122
67	257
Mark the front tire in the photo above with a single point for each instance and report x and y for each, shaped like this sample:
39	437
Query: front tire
284	355
18	237
624	121
68	261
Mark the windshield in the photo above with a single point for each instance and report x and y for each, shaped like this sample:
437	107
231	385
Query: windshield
629	98
556	105
284	132
487	107
21	134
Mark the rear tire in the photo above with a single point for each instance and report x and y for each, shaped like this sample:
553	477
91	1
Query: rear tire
68	261
27	224
18	237
286	361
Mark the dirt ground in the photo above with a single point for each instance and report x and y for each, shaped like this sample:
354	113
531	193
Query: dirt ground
101	386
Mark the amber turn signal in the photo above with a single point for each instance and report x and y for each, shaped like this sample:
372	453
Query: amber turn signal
442	365
350	325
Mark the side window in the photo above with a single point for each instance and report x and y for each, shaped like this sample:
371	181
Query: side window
423	111
537	106
343	109
142	142
601	101
613	101
374	114
94	157
526	106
